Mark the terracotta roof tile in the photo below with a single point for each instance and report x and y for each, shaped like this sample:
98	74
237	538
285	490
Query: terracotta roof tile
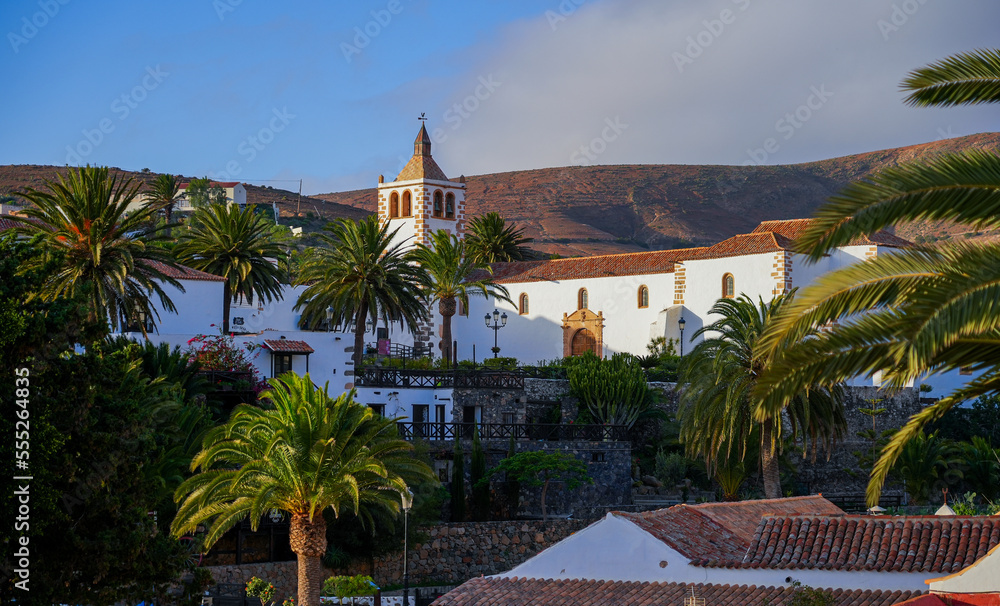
600	266
878	543
721	532
182	272
286	346
516	591
746	244
793	228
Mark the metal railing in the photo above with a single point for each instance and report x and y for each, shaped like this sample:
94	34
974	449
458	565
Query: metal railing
519	431
375	376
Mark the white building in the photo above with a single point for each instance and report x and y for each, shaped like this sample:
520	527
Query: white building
235	192
605	304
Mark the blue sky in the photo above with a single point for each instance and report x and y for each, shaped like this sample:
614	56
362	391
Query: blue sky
329	92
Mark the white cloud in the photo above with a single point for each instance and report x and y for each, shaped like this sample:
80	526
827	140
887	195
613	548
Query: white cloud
556	87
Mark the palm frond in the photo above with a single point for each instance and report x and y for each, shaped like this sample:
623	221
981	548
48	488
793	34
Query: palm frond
963	79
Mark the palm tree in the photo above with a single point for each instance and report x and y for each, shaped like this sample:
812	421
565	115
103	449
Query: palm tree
237	245
163	195
308	453
361	275
926	465
717	410
100	248
919	311
490	240
454	276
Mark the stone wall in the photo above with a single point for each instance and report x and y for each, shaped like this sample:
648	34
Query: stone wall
283	575
454	553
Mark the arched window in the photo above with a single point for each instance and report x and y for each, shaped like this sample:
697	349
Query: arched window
643	297
728	286
393	205
438	203
407	204
582	300
449	206
522	307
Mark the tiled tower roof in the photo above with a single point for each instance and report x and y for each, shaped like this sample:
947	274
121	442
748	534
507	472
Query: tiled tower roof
422	165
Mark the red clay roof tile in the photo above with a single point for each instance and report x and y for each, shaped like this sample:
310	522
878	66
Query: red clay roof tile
793	228
516	591
721	532
878	543
286	346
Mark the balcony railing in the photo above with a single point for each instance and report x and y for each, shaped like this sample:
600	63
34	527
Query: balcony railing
519	431
374	376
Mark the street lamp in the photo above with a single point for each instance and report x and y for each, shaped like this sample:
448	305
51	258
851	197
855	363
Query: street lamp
680	325
407	499
329	318
499	321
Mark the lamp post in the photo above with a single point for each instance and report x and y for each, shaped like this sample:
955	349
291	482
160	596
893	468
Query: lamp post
407	498
499	321
680	325
329	318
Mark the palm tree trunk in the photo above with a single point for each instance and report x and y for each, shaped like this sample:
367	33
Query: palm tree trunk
769	461
447	307
359	335
227	301
308	540
168	212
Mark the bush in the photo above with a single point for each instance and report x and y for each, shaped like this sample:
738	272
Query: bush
611	391
349	587
671	469
500	363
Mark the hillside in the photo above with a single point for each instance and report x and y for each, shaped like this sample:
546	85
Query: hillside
605	209
19	176
589	210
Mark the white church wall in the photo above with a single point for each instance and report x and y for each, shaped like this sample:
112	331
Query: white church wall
538	335
751	276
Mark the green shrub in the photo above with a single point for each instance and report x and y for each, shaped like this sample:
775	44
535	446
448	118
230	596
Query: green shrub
611	391
500	363
348	587
671	469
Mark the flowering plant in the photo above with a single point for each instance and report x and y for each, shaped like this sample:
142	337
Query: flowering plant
220	352
259	588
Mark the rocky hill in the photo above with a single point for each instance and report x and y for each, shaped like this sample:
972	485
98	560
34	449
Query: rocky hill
589	210
604	209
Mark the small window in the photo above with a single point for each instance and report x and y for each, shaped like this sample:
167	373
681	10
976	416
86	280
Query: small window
508	418
643	297
393	205
378	409
582	300
598	457
282	364
522	307
449	206
438	203
407	204
728	286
